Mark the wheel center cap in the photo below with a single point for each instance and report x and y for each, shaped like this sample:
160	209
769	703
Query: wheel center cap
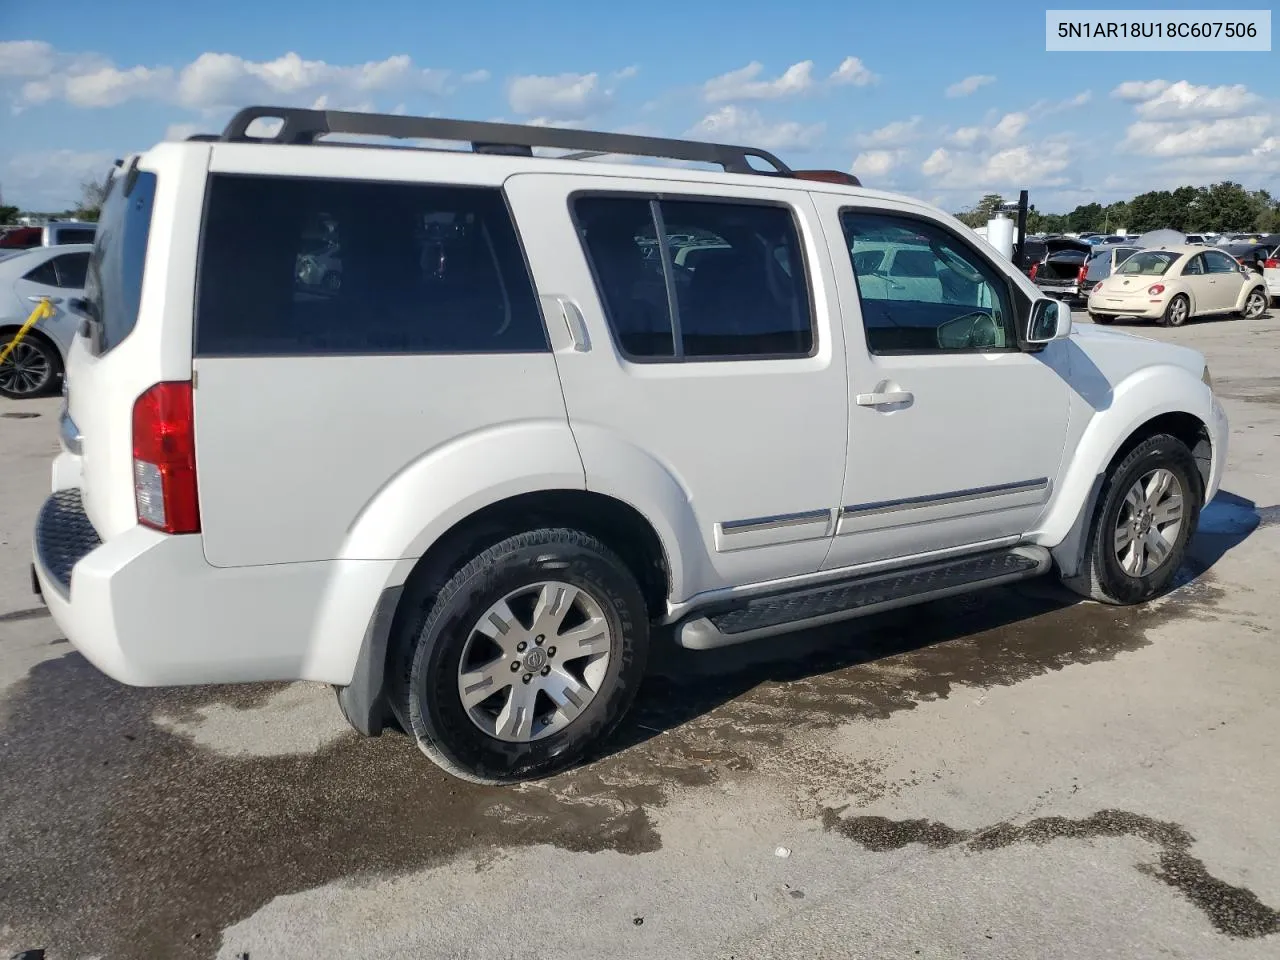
535	660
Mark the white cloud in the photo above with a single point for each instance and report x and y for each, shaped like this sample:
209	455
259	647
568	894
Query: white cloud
1140	89
476	76
891	134
852	71
1184	99
1005	169
745	83
733	124
936	163
1006	130
1197	137
180	131
213	81
568	96
875	164
969	85
626	73
49	180
742	84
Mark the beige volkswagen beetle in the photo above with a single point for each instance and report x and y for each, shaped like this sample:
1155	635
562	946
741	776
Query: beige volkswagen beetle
1173	284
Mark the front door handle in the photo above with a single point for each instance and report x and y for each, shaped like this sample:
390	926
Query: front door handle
35	299
882	399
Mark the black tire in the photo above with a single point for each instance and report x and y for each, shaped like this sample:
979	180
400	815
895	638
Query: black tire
16	388
1100	576
1256	296
1102	318
424	694
1174	317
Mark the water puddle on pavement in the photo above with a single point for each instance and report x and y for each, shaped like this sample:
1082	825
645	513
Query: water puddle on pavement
122	838
1232	910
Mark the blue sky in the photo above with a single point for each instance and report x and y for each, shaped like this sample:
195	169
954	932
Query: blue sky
945	101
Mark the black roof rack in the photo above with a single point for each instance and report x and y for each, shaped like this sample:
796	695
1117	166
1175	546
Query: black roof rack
301	126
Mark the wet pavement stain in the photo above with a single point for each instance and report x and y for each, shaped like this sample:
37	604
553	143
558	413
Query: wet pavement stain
123	839
1233	911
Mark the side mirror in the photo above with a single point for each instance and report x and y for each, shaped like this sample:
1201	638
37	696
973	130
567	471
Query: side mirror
1048	320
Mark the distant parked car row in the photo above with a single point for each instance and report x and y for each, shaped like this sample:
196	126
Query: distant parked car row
1171	285
56	233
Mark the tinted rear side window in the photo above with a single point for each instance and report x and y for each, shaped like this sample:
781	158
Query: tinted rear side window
733	273
293	266
75	235
113	287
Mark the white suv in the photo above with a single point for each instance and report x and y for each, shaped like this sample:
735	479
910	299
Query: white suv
467	477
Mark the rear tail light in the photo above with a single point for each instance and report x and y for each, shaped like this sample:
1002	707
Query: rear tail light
1035	267
1156	289
1271	263
1084	272
164	459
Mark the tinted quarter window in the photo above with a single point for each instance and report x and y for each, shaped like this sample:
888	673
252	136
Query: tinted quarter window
71	268
922	289
46	274
113	286
76	235
293	266
621	243
745	294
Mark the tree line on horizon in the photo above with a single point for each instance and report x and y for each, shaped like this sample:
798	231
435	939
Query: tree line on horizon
1218	208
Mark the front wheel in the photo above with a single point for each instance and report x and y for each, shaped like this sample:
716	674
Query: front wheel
528	657
1178	311
1148	512
1255	305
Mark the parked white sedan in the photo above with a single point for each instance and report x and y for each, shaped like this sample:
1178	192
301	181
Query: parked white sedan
1173	284
35	365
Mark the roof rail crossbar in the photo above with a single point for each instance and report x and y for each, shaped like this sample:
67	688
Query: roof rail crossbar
302	126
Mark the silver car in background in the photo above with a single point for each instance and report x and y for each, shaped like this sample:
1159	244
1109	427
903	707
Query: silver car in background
57	273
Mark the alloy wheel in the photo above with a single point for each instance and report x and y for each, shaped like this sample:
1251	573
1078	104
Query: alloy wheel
1149	522
534	661
26	371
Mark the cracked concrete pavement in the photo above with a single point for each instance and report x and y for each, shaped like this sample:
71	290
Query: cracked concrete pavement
1013	774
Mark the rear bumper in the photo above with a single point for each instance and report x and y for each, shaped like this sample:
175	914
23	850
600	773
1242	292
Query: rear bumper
146	609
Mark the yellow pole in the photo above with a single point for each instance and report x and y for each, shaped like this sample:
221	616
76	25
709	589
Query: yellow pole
43	309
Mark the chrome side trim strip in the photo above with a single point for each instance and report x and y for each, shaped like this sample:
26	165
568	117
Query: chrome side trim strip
941	499
677	611
731	527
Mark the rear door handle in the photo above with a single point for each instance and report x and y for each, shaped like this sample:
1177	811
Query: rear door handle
574	322
881	399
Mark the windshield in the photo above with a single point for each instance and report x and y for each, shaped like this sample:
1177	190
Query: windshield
1149	263
113	287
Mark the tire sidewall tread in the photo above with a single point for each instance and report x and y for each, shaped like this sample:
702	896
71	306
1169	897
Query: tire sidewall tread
426	669
1100	577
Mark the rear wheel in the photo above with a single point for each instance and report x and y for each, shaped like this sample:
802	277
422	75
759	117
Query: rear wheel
31	369
1101	318
1148	511
527	658
1178	311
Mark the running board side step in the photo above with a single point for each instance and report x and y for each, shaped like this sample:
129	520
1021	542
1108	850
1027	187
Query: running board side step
776	613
